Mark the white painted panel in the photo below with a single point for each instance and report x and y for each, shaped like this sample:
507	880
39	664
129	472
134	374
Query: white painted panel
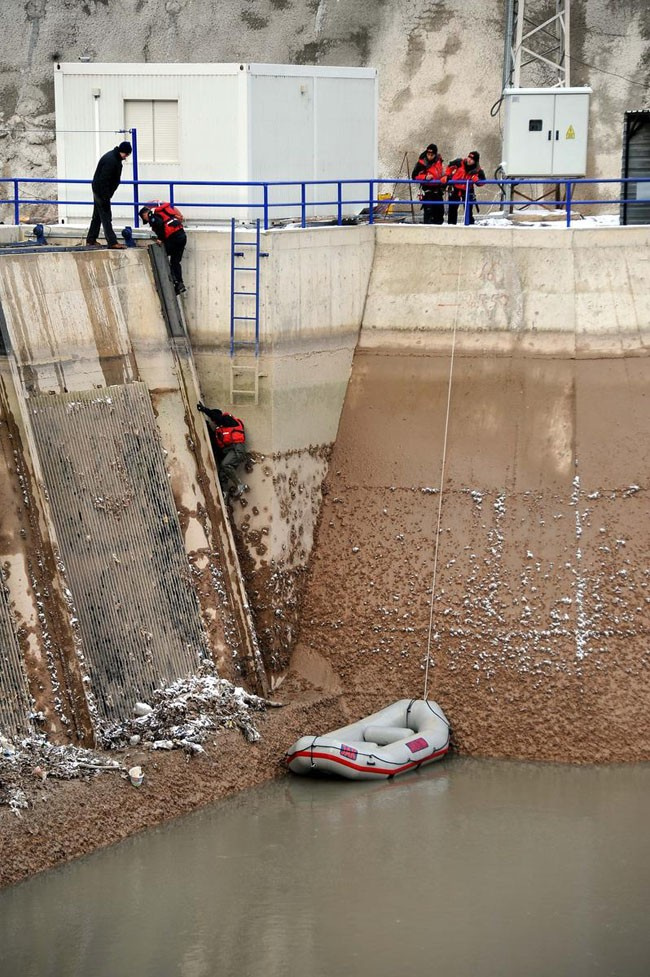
281	135
138	115
345	135
528	134
570	133
165	129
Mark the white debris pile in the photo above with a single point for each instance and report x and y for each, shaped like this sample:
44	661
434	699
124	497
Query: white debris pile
30	761
184	714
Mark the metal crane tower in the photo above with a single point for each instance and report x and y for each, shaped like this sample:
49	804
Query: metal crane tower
537	44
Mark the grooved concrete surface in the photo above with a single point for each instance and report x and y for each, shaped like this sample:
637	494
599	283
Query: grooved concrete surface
121	543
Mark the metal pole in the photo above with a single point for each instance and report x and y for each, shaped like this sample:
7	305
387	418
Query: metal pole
136	194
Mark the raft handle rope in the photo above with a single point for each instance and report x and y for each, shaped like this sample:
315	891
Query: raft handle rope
442	475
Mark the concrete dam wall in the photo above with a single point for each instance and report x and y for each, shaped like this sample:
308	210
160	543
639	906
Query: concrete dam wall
487	496
119	569
448	460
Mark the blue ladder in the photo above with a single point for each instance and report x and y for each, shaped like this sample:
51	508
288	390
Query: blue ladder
245	257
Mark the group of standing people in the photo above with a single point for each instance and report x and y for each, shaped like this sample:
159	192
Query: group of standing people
457	180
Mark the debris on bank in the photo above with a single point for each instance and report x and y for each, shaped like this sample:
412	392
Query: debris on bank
181	716
28	763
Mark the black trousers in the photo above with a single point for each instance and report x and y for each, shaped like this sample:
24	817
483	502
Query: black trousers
454	203
174	246
434	212
102	216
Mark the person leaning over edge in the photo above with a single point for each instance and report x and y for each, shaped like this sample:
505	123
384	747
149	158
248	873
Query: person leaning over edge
167	224
428	169
228	443
105	182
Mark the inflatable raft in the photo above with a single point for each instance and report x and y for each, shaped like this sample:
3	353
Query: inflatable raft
400	737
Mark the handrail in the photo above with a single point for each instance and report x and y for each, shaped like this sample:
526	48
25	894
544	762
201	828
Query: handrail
365	195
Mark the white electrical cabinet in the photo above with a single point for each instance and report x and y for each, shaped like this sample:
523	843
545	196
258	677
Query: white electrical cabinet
545	131
234	123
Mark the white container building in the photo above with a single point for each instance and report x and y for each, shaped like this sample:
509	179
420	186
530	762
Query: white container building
217	122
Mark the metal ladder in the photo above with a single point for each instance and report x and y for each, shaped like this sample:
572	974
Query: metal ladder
245	257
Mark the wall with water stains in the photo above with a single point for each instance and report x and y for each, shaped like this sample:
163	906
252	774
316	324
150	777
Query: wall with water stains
119	570
484	537
313	285
440	63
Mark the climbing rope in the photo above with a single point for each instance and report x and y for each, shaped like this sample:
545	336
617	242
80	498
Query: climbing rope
442	476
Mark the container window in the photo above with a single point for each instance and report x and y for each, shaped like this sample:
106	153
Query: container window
534	125
156	122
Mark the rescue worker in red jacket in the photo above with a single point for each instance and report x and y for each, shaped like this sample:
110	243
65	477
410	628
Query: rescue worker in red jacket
167	224
228	439
428	169
456	177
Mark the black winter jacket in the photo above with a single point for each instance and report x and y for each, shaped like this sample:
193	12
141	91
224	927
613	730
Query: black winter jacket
108	173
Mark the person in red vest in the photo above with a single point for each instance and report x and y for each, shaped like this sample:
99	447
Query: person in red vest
456	177
228	439
428	169
167	224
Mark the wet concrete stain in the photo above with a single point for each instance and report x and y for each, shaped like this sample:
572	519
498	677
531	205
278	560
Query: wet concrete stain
53	658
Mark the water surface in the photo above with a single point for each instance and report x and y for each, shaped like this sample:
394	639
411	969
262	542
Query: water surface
468	868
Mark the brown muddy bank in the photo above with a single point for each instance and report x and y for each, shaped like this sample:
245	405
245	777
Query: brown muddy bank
67	819
539	626
538	630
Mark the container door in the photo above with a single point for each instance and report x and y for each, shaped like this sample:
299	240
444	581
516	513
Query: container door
570	133
528	135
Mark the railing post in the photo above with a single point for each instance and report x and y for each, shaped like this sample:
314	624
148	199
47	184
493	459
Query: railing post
136	193
371	202
266	206
16	204
339	206
303	208
468	211
569	188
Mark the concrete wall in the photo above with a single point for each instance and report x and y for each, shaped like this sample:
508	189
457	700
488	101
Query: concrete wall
76	323
488	511
312	293
568	292
440	62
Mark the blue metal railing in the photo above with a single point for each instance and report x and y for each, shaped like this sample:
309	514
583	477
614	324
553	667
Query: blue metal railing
358	197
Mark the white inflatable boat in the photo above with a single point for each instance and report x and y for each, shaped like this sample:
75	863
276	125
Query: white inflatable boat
401	737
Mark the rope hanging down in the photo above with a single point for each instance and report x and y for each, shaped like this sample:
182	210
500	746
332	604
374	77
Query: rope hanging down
442	475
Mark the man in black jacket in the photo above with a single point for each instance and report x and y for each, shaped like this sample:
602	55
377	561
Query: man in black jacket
105	182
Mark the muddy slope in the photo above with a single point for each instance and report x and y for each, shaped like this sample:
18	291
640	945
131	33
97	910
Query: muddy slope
538	630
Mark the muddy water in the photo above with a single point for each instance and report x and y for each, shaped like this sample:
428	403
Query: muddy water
471	868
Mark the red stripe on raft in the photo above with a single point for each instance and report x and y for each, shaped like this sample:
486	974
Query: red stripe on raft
310	755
